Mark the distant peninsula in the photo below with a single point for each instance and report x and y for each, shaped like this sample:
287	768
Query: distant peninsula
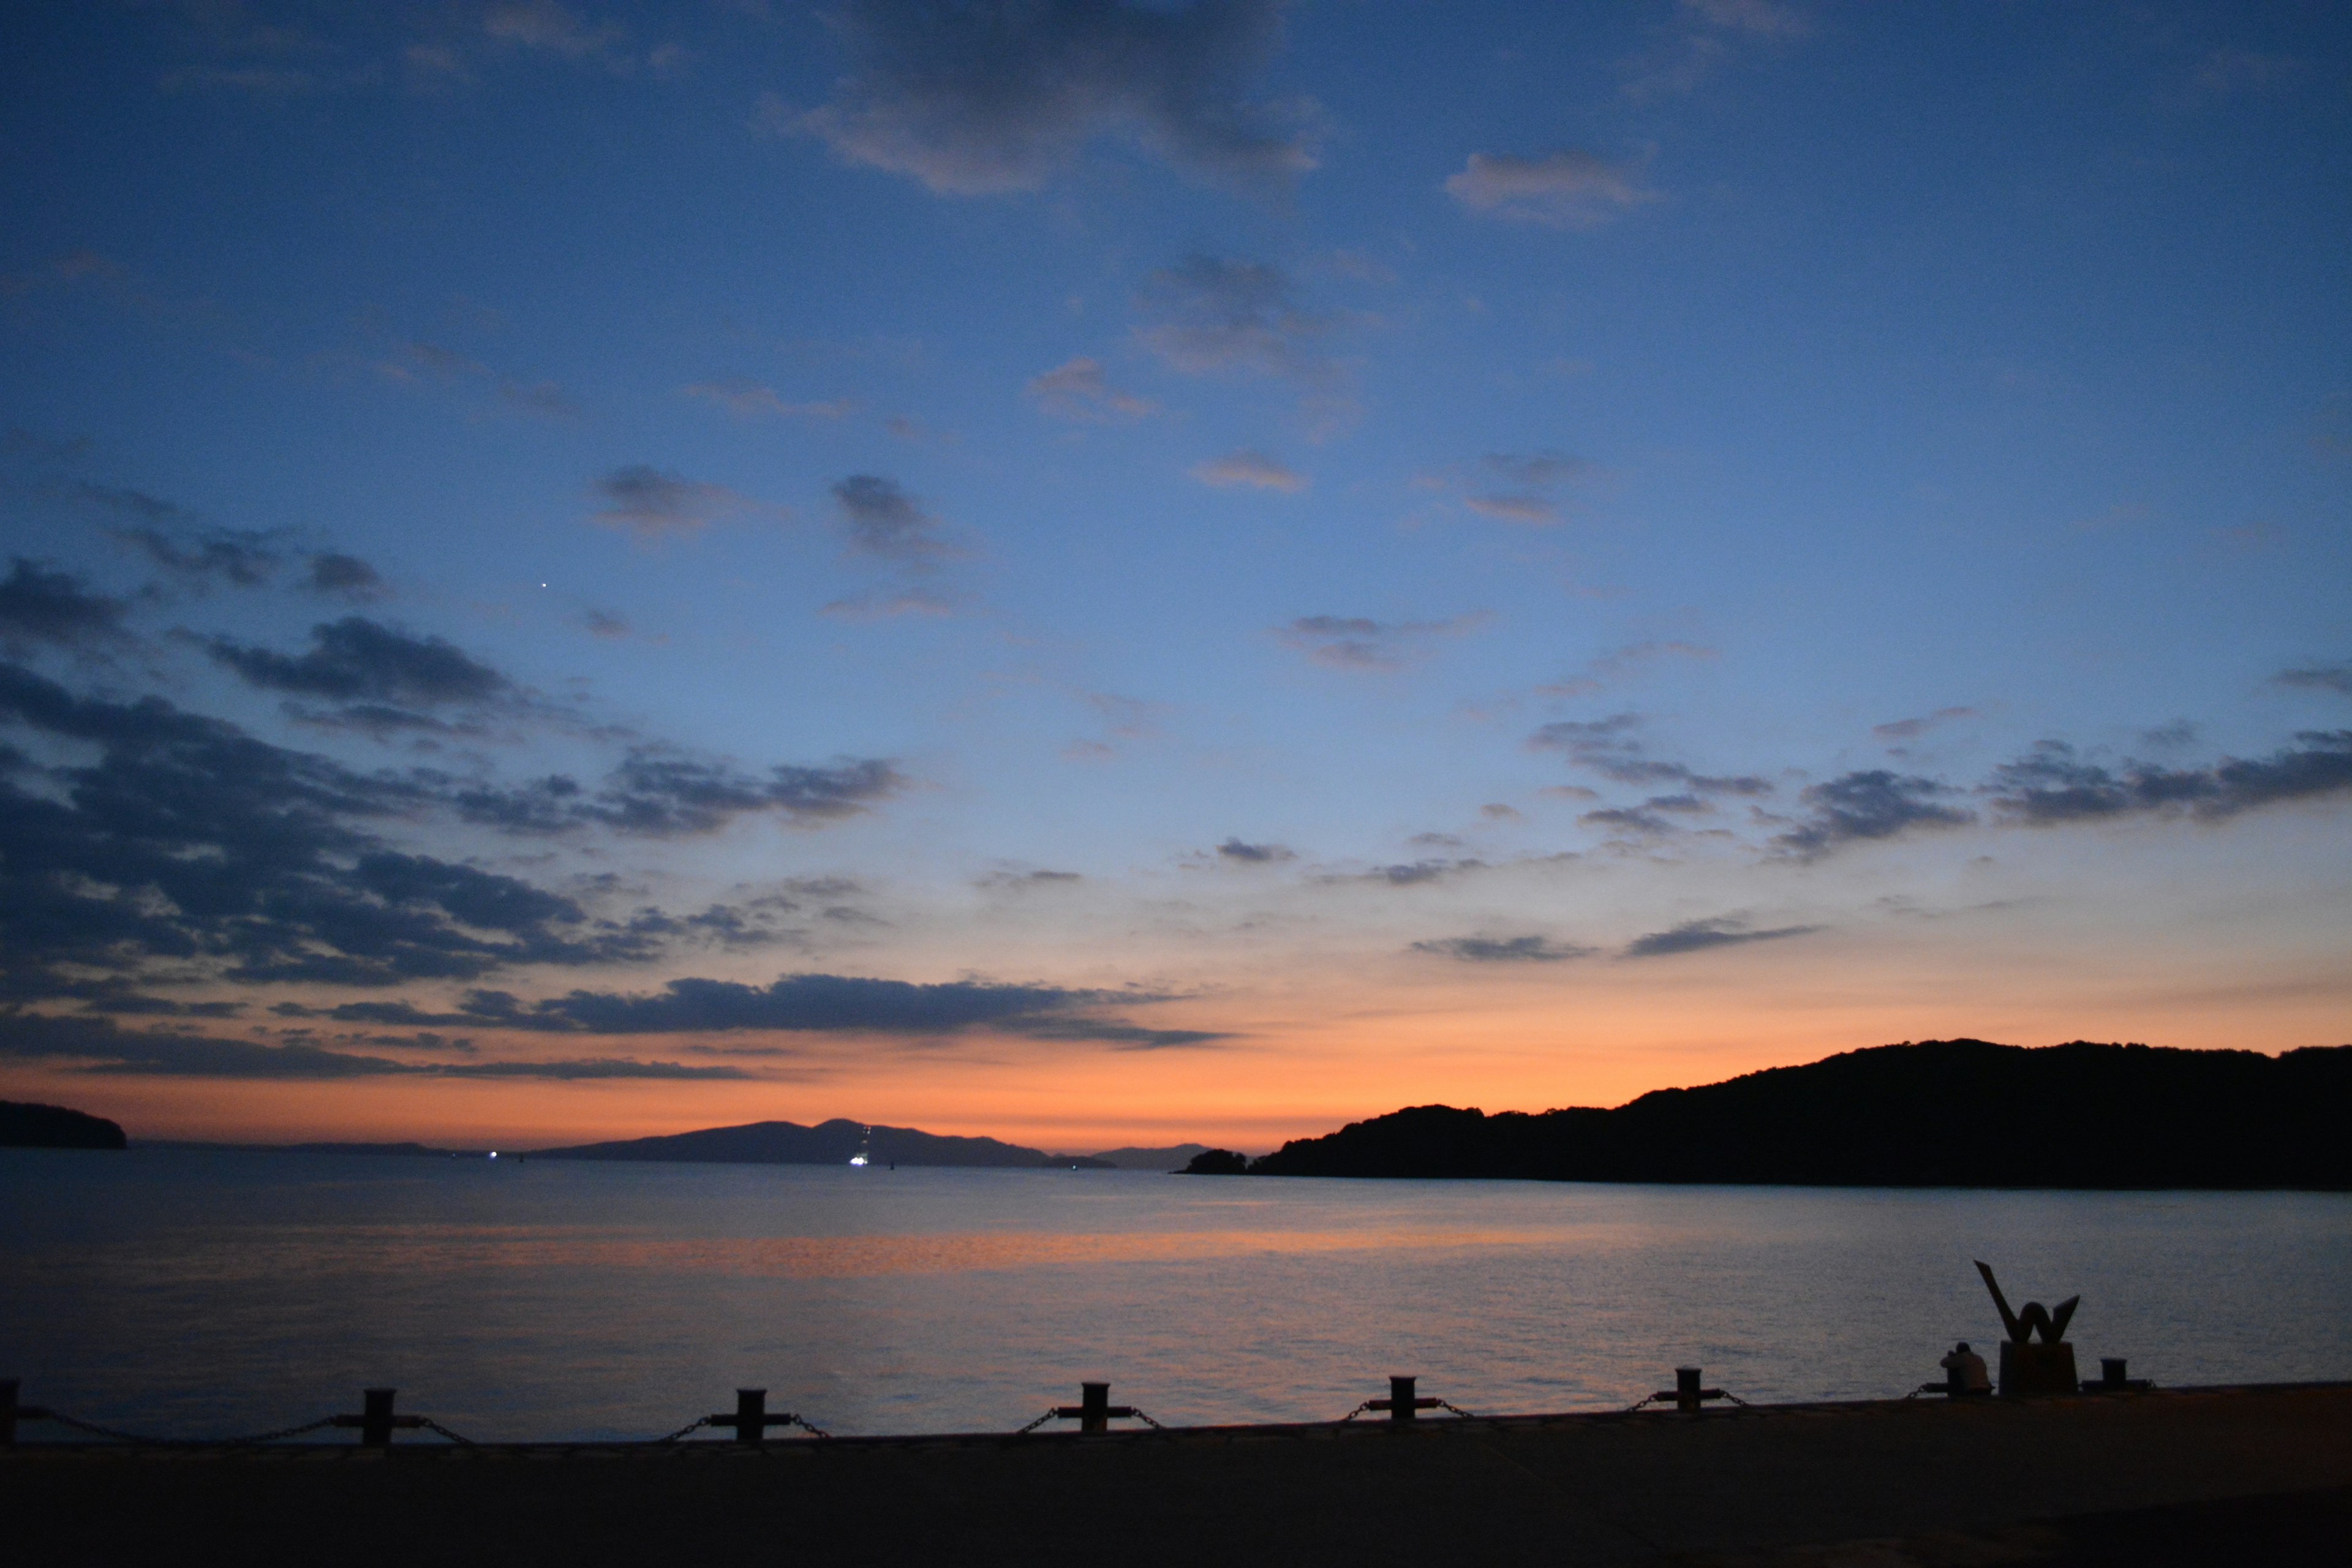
1961	1113
25	1126
834	1143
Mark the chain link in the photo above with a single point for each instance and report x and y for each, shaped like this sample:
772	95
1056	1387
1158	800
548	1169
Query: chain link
686	1431
1035	1425
430	1425
1351	1414
114	1435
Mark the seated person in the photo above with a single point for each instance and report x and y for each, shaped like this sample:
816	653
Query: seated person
1964	1371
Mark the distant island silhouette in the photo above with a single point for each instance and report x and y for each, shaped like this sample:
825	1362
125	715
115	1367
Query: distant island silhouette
833	1142
28	1126
1964	1113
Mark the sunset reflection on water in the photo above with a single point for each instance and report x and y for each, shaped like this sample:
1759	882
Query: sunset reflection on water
185	1292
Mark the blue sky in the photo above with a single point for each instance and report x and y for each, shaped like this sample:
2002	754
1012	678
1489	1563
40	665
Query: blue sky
1862	488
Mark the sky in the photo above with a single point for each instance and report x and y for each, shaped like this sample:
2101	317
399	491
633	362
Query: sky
1102	572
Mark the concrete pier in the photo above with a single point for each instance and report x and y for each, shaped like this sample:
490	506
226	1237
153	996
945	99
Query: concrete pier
2256	1473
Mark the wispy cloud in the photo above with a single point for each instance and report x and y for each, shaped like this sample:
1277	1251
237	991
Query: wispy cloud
1605	671
1699	935
1078	389
1503	948
2336	677
1872	804
2054	784
750	400
1912	729
1251	467
882	519
1569	188
657	503
40	604
1000	95
1612	748
1361	642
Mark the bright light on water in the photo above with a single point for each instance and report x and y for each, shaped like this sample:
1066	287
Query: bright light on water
190	1292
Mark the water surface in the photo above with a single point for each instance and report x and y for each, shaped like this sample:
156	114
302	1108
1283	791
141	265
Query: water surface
193	1292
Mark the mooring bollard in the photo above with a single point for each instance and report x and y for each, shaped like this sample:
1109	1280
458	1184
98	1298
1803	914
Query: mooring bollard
11	1412
1093	1411
376	1419
751	1419
1686	1393
1401	1404
2111	1371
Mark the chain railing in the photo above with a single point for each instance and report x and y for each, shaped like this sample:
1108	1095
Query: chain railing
751	1421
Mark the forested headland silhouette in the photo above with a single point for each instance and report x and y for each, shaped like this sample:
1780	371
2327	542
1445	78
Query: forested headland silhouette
1931	1113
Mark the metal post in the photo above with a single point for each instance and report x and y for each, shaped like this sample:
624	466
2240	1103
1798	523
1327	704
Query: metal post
375	1418
1094	1408
7	1412
2112	1369
1402	1404
751	1416
1686	1389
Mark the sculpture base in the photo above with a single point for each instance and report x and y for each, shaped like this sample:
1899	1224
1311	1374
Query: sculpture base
2028	1369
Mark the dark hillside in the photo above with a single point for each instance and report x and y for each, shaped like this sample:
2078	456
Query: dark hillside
24	1126
789	1143
1938	1113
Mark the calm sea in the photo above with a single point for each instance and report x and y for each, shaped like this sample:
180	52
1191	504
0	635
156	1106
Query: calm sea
185	1293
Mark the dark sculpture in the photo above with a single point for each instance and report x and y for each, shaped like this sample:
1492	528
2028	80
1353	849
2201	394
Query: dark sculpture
2022	1326
2027	1367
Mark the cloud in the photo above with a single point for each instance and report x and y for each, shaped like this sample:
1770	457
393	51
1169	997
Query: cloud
807	1004
188	846
2054	784
358	661
1077	389
1868	805
1606	670
1912	729
749	400
1234	849
1412	874
1609	747
889	606
652	502
655	792
1537	469
1532	510
609	624
555	28
1220	316
41	605
2336	677
342	576
106	1049
1695	936
244	558
1118	1036
1504	948
1760	18
998	95
1629	819
1567	189
1249	467
1704	41
883	520
1359	643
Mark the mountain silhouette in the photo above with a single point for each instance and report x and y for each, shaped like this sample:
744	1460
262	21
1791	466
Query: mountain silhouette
826	1143
1935	1113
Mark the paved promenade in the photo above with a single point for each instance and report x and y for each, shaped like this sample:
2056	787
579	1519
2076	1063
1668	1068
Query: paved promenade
2252	1474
